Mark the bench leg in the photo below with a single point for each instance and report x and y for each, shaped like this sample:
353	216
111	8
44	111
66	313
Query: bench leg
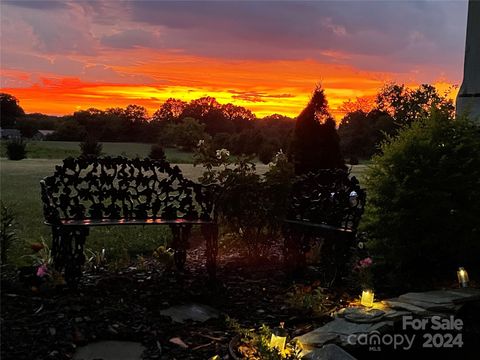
67	251
181	234
59	237
294	250
210	233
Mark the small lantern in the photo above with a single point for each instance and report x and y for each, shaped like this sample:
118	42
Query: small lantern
367	298
279	338
353	198
462	277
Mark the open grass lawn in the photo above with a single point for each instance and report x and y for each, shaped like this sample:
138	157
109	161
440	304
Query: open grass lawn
63	149
20	189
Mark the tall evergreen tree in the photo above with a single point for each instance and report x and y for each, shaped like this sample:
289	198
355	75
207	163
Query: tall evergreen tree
316	143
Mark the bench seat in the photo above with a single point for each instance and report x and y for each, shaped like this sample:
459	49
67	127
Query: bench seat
112	191
327	206
113	222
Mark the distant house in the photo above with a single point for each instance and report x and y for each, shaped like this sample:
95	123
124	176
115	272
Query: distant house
42	134
7	134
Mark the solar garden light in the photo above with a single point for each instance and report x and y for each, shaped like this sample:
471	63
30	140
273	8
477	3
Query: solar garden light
462	277
367	298
279	338
353	198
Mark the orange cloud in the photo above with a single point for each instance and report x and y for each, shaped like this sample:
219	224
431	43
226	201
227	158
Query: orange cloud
265	87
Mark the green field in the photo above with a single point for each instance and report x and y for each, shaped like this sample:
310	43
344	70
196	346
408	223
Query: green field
20	190
63	149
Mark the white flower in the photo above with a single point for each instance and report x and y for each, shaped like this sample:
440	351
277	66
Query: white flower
222	153
201	143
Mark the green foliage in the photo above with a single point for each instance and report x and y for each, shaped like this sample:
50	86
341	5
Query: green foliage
408	105
10	110
366	125
267	152
316	143
247	204
95	260
90	147
157	152
69	131
184	134
311	298
43	254
170	110
424	201
255	345
361	133
43	260
7	232
16	149
188	133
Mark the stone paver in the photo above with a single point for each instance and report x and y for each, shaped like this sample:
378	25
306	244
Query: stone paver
395	304
329	352
195	312
322	342
338	330
360	315
110	350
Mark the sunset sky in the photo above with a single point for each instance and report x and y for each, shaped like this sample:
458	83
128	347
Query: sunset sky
61	56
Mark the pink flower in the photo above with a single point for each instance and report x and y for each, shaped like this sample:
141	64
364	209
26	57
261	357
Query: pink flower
366	262
42	270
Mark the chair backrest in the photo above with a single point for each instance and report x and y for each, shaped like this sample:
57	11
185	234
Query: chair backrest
330	197
117	187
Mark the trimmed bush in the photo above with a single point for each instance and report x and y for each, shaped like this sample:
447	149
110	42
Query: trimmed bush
316	144
423	208
156	152
16	149
90	147
267	152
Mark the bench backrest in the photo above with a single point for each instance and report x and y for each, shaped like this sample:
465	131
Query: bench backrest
328	197
121	188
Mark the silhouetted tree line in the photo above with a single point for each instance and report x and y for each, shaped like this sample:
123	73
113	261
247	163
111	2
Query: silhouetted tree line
175	123
362	131
183	124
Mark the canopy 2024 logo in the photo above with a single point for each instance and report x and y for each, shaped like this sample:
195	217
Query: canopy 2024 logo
437	337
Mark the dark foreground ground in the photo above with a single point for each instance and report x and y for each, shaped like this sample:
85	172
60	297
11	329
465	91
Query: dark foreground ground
126	305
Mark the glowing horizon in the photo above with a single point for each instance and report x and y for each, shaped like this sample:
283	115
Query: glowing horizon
60	57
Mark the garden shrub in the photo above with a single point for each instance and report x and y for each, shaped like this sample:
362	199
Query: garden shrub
248	205
316	144
267	152
423	209
255	345
16	149
156	152
90	147
7	232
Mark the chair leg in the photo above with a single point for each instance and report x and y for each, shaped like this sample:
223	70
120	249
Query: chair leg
210	233
181	234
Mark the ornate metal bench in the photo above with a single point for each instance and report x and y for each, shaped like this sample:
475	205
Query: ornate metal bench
325	205
85	192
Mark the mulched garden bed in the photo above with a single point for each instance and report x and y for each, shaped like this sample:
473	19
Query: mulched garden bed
51	323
